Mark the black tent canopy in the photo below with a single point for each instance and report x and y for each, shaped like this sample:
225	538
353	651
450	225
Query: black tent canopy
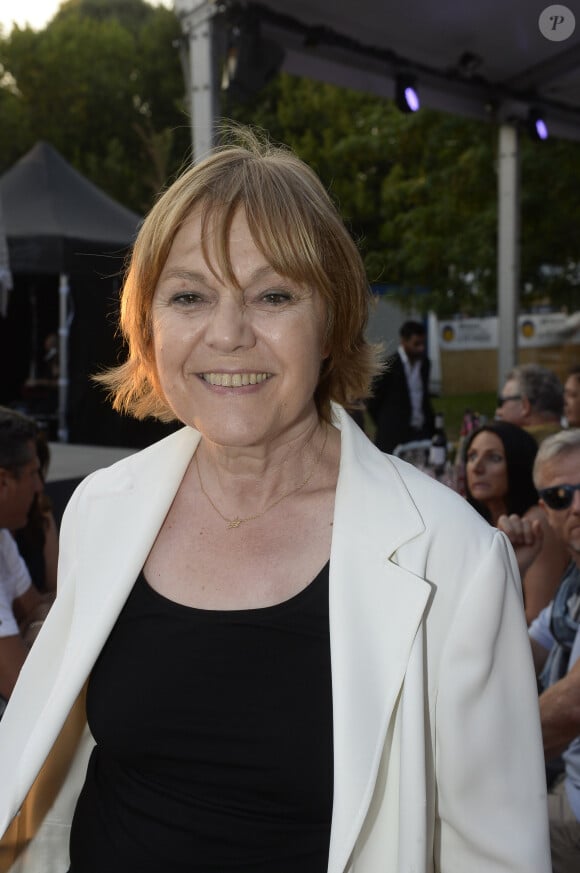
62	229
57	221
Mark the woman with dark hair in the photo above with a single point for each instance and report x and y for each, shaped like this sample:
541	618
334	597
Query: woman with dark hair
499	458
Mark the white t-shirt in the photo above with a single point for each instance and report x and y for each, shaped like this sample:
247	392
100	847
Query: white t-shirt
14	581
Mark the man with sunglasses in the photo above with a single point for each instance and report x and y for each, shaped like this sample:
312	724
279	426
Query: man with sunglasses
533	398
22	608
555	639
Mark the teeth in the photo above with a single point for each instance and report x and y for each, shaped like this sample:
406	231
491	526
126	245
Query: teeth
234	380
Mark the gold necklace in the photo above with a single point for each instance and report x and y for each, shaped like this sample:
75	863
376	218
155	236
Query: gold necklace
237	521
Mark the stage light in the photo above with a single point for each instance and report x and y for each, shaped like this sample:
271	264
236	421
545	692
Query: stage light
537	127
406	95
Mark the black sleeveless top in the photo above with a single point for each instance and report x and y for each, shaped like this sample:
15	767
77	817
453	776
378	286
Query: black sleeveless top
214	740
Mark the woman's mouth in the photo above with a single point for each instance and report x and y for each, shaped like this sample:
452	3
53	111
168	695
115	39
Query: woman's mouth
235	380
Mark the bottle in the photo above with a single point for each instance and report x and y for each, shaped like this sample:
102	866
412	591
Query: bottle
438	449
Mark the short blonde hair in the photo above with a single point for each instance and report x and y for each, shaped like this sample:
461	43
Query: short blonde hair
297	228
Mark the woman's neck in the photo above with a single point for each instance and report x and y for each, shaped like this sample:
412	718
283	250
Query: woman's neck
256	475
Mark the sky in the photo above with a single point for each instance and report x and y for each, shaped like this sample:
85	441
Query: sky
37	13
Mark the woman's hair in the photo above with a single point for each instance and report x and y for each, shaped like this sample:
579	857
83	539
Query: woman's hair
520	451
297	228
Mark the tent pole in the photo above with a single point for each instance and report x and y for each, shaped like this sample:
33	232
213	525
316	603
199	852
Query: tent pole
63	292
201	73
508	251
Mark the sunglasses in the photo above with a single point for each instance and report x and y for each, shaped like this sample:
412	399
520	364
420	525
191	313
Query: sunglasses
501	400
559	496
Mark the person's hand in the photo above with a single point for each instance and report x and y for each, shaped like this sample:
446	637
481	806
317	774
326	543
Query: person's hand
526	537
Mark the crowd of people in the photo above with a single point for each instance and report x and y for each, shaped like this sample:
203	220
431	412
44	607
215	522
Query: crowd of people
290	649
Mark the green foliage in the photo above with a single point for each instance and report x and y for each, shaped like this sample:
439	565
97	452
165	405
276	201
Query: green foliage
103	84
420	195
453	408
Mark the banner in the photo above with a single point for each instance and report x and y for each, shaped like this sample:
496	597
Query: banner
468	333
533	331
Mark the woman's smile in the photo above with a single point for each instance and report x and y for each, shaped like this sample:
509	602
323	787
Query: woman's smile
235	380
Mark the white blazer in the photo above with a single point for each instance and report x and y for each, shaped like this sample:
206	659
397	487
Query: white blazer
438	761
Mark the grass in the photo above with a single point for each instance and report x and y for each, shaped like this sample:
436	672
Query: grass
453	408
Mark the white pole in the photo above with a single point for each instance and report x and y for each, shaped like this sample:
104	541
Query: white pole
434	352
63	292
508	250
201	67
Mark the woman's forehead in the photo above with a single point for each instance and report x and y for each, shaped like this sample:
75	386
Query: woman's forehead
487	440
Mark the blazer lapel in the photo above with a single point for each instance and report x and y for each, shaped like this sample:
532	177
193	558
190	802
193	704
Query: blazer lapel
128	505
376	608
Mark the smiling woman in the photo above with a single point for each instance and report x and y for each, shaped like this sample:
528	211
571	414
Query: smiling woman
297	605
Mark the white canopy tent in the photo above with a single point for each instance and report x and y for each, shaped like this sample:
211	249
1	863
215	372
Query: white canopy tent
499	60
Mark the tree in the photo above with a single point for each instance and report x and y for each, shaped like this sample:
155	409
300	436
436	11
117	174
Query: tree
103	83
420	194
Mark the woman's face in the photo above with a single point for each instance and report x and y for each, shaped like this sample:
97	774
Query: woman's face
486	468
240	366
572	400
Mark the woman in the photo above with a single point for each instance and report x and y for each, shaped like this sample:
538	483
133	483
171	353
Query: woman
287	671
499	458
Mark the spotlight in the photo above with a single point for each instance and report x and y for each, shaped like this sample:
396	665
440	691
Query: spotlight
537	127
406	96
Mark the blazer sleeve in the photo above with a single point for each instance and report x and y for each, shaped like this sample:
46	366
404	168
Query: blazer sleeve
491	790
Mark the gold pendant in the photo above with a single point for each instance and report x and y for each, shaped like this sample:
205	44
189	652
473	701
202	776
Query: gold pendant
235	522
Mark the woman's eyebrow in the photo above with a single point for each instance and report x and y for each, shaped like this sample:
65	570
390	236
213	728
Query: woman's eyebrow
195	276
183	274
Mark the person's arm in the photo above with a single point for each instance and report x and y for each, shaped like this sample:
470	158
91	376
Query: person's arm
526	536
560	712
542	578
13	652
539	655
30	610
491	784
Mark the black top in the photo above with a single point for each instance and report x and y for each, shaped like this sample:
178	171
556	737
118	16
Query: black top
214	740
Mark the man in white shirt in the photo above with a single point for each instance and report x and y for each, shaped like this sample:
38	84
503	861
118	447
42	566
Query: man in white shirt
22	608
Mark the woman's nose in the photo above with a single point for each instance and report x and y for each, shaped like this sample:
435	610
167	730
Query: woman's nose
229	327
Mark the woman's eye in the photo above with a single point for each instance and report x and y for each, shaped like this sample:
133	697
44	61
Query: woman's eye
471	458
187	298
276	298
